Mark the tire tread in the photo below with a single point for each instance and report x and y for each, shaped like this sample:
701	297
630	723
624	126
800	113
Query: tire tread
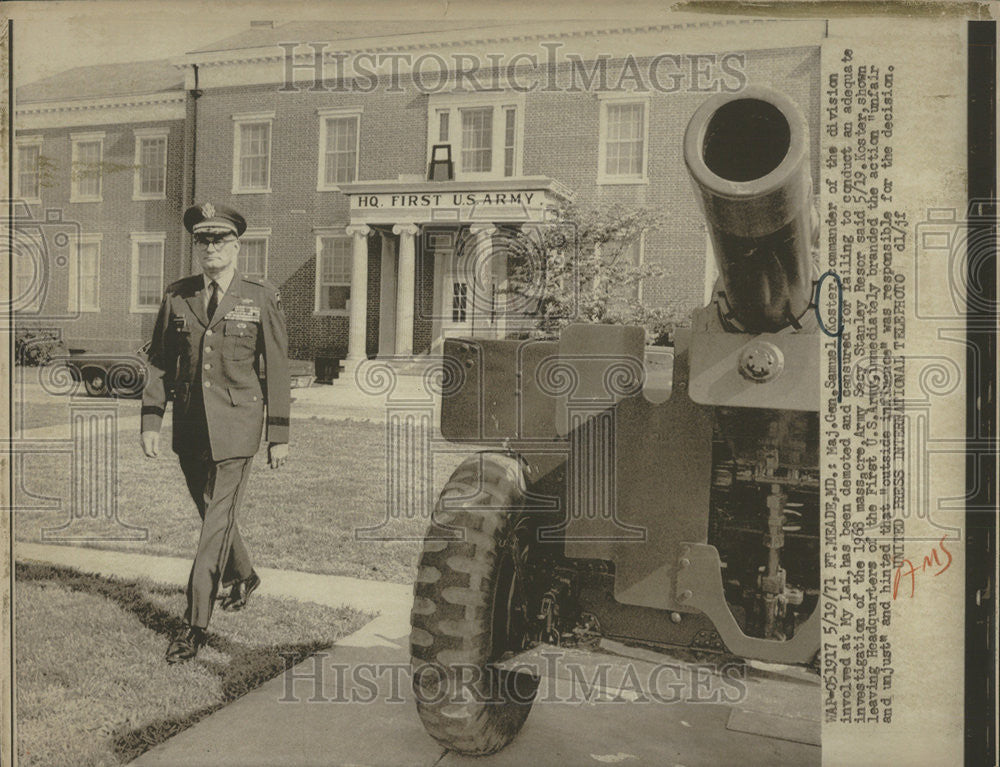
452	596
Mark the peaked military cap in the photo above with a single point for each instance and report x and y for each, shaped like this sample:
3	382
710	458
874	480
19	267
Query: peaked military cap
208	216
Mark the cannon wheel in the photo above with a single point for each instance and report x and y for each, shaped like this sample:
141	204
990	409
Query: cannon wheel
470	609
95	381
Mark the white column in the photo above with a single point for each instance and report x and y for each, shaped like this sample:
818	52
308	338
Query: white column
387	298
405	279
359	293
480	277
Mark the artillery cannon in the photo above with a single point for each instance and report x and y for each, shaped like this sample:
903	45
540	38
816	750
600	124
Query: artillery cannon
599	509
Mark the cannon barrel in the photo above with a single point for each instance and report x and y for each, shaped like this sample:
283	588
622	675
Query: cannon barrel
748	155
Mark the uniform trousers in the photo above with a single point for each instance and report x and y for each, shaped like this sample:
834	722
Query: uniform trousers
216	488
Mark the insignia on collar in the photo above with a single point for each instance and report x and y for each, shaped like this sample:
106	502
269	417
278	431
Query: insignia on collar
208	210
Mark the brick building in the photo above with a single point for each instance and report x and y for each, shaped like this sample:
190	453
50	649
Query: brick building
323	136
99	169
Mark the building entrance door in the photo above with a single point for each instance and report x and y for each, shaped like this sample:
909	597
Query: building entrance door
458	300
454	299
466	279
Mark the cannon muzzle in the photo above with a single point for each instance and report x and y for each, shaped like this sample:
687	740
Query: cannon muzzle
748	155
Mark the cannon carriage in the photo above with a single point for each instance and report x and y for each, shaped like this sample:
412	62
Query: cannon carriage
603	507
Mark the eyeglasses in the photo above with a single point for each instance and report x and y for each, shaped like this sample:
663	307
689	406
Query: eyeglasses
205	239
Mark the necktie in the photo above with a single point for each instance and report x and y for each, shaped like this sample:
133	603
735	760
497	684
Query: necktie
213	300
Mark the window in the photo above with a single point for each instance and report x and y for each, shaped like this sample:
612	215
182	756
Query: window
484	131
510	140
477	140
255	141
28	174
252	153
253	253
85	275
459	301
443	120
86	172
150	164
333	274
624	126
147	270
28	288
24	278
339	137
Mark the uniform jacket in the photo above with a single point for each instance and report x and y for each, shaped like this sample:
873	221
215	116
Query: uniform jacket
227	358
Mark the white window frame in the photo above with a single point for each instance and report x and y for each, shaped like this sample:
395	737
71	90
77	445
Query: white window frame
257	234
335	113
453	103
149	133
621	100
317	311
137	238
74	187
28	300
75	305
27	141
250	118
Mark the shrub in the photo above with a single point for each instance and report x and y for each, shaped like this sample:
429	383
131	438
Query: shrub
37	346
585	269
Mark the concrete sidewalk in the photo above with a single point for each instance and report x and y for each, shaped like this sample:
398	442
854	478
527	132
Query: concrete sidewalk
307	717
390	600
346	400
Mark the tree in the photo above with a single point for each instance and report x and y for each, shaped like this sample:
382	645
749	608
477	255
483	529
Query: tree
582	267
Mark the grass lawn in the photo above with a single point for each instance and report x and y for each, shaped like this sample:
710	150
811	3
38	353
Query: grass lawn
32	415
92	685
34	408
304	516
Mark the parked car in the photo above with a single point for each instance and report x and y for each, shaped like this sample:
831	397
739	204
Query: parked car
113	374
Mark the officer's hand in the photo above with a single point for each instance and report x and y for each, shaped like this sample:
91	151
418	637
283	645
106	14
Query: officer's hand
277	453
151	443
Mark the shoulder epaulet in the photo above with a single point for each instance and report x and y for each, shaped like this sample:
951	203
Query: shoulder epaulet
262	281
183	281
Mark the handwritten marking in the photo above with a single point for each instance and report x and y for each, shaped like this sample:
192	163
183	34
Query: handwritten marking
929	561
839	332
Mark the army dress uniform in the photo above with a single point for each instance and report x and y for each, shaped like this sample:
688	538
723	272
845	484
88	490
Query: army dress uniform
216	366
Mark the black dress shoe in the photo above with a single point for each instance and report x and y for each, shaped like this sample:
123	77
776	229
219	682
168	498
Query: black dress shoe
186	646
240	593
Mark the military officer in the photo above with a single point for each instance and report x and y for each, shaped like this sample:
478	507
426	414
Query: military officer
220	342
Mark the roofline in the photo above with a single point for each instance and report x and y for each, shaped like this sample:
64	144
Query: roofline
251	54
43	106
237	56
352	38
